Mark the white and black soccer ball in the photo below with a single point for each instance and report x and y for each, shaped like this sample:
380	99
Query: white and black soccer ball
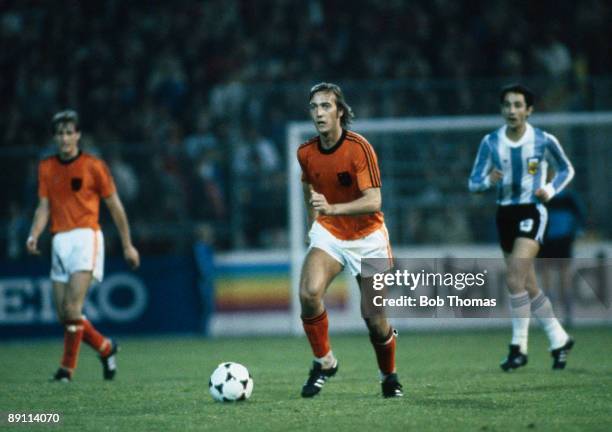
230	382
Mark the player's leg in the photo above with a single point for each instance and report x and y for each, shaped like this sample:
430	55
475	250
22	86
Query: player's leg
59	290
69	299
519	262
318	272
383	339
542	310
104	346
368	256
92	337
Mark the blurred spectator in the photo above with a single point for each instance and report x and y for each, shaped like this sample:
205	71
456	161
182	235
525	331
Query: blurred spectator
203	139
210	203
143	73
16	230
259	186
553	57
126	179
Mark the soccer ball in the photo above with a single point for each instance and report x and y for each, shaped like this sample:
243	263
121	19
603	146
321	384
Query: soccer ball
230	382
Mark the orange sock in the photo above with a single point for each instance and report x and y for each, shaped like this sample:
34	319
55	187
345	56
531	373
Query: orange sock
316	331
385	352
94	338
73	333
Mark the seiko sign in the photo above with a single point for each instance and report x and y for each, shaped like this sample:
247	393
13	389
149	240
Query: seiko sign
121	298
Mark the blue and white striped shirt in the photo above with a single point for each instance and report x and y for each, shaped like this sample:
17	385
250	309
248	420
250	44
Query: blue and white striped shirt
524	165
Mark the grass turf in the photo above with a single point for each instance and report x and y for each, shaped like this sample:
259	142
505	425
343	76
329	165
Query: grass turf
452	382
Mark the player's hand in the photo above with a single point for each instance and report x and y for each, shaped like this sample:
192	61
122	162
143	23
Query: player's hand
319	203
132	256
32	245
542	195
495	176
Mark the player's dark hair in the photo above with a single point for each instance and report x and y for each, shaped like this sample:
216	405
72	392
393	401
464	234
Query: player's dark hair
347	111
66	116
520	89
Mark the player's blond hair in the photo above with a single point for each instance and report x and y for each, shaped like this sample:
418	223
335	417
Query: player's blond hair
347	111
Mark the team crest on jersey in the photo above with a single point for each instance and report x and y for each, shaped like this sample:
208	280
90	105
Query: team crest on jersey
533	165
345	178
76	183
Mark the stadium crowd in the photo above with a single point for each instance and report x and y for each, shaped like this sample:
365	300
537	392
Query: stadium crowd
188	101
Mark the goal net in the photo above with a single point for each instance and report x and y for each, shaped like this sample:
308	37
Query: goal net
425	164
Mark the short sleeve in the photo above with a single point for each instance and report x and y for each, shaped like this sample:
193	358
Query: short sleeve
366	167
301	159
43	189
104	179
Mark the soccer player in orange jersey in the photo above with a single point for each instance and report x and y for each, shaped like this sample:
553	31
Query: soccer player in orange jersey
70	186
341	184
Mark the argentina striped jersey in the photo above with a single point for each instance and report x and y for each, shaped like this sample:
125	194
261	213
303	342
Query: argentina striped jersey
524	165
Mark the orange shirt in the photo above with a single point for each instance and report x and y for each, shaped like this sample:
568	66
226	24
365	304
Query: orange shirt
74	189
341	173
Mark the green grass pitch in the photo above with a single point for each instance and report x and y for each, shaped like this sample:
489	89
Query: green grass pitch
451	379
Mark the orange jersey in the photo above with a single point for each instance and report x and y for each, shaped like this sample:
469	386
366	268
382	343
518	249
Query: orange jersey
341	174
74	189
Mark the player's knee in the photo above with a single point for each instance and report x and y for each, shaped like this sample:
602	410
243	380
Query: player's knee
378	327
311	289
531	285
71	311
310	295
514	279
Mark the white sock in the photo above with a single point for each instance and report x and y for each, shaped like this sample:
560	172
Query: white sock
328	361
543	311
520	313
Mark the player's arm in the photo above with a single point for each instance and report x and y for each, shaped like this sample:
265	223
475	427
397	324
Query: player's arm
564	171
311	213
41	218
484	175
369	202
119	216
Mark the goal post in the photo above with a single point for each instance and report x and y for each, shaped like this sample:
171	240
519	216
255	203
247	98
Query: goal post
394	138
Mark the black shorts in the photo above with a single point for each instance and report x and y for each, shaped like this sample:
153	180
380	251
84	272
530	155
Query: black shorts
557	248
522	220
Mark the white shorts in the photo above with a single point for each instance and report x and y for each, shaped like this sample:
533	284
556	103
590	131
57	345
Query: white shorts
350	252
81	249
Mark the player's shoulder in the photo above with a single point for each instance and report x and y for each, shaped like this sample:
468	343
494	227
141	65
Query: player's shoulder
93	161
356	138
47	160
308	146
493	136
311	142
359	141
547	136
89	157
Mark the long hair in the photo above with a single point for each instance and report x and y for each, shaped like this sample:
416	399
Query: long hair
347	111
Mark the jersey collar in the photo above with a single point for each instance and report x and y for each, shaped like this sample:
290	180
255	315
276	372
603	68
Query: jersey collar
527	136
69	161
335	146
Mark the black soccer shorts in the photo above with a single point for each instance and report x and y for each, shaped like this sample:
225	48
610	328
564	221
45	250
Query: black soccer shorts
521	220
